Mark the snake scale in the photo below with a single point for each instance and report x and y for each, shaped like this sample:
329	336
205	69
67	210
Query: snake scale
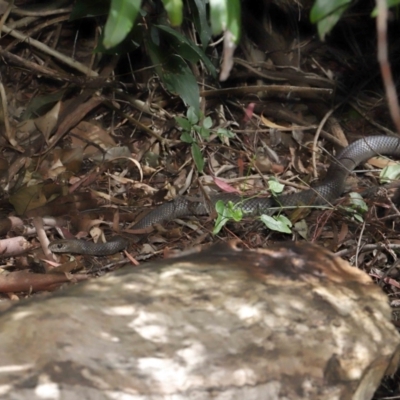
325	192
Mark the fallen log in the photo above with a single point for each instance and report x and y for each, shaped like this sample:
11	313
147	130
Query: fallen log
292	321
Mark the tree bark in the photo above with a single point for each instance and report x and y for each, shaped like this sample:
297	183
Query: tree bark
289	322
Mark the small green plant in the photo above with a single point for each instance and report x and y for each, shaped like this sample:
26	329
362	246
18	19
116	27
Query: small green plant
234	212
163	33
357	207
390	173
280	223
275	187
226	212
326	13
194	129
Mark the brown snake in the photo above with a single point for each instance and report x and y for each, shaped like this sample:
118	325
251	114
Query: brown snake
325	192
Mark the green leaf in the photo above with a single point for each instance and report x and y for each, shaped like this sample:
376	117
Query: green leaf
205	133
358	217
357	207
186	48
174	11
358	203
172	69
131	42
390	173
219	16
184	123
275	187
278	224
225	16
226	212
192	116
120	21
222	132
197	157
179	79
187	138
200	20
219	224
234	21
207	123
390	3
326	13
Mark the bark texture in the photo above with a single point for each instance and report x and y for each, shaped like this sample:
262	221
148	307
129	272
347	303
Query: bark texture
289	322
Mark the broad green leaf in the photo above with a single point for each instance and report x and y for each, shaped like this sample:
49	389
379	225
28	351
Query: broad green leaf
219	224
235	211
197	157
219	15
184	123
200	20
357	207
173	70
179	79
174	11
275	187
221	219
278	224
226	211
357	202
353	213
234	21
186	138
326	13
222	132
207	123
204	132
120	21
192	116
131	42
390	3
358	217
186	48
390	173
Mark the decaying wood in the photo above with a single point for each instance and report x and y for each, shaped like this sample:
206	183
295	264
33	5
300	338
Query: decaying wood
290	322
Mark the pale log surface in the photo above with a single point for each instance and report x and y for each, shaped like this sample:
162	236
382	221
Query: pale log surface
290	322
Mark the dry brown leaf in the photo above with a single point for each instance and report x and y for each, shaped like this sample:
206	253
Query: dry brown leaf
91	133
46	123
381	162
268	123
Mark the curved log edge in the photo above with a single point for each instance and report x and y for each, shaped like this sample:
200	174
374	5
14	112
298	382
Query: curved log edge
291	321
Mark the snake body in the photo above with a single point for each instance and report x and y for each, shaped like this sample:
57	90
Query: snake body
75	246
325	192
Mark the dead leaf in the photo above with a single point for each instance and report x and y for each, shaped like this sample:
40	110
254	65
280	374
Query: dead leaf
381	162
27	198
226	187
46	123
91	133
270	124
